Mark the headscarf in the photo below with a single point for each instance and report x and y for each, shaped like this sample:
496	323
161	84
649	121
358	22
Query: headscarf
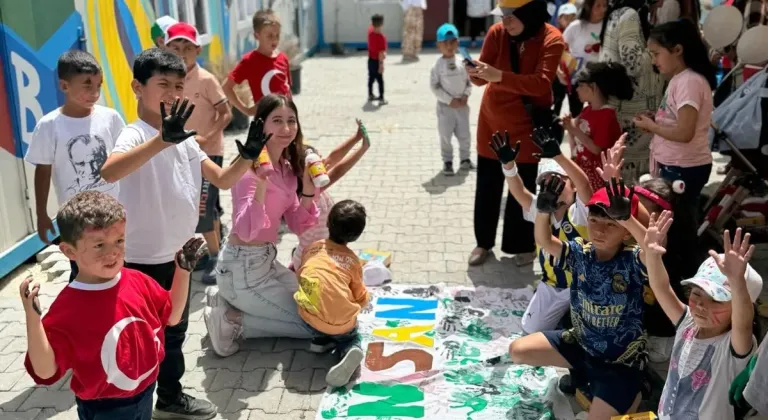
533	15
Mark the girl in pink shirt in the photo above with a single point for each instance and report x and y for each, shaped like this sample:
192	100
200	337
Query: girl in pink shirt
254	296
680	147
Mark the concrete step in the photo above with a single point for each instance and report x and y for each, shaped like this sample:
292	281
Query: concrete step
57	269
52	259
45	253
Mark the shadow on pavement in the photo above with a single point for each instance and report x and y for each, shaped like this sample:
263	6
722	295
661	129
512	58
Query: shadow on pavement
440	183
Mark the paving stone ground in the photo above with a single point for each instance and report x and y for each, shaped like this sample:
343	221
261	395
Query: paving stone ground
424	218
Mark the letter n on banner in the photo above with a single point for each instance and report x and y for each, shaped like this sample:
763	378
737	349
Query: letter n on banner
391	404
414	309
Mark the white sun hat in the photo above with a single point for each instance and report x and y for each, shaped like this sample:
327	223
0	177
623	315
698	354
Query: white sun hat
375	273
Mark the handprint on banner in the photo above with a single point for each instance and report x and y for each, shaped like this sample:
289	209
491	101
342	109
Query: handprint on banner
478	331
475	312
368	308
450	323
422	292
475	403
449	349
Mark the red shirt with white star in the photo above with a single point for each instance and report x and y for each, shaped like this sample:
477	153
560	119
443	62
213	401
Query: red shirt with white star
265	75
112	335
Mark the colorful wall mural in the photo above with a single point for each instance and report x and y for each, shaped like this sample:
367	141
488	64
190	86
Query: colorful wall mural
34	33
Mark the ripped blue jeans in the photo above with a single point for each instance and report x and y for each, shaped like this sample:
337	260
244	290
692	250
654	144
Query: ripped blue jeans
251	280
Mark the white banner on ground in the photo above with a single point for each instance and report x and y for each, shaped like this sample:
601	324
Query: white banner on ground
426	348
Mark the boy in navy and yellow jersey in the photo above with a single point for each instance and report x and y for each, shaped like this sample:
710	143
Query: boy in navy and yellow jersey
606	347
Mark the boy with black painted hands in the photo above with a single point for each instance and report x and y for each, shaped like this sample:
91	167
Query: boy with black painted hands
551	300
606	346
114	360
161	167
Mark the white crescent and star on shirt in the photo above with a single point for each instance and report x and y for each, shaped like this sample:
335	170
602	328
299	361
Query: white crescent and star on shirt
115	376
267	79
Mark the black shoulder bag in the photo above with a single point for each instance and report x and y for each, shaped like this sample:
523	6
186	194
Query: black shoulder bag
542	117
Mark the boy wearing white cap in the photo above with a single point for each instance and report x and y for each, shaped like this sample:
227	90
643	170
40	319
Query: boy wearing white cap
212	115
714	339
450	83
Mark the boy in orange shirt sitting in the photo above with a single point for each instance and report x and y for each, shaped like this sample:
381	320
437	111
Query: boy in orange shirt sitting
331	290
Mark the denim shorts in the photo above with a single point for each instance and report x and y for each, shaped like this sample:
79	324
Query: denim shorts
616	384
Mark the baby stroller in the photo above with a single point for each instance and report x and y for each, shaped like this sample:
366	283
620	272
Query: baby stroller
737	131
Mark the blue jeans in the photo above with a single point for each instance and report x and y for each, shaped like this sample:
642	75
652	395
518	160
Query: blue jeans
138	407
344	342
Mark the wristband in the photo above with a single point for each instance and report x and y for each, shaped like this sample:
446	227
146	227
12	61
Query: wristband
509	172
307	195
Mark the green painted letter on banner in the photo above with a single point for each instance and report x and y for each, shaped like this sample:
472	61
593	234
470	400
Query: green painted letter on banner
390	405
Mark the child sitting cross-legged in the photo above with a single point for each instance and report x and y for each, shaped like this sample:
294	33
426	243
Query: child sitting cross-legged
714	339
606	346
331	290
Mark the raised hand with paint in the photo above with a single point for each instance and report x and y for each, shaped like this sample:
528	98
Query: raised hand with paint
717	322
548	200
550	147
619	199
92	226
338	162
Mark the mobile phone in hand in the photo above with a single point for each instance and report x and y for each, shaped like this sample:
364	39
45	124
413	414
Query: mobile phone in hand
467	58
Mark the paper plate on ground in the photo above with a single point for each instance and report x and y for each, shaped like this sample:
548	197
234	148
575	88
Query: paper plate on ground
723	26
751	48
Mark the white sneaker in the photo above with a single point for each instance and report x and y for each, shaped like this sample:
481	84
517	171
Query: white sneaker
467	165
660	349
212	298
222	332
340	374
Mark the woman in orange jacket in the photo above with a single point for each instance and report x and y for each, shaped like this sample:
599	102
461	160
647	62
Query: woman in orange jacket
523	36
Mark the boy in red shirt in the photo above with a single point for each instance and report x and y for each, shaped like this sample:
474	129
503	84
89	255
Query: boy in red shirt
115	358
377	52
267	70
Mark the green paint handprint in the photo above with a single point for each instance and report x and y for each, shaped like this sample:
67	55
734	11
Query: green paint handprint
478	331
475	403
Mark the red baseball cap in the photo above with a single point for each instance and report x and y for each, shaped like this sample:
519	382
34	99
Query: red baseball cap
600	198
182	30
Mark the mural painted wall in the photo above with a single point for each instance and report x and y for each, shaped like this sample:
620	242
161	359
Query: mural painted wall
32	42
34	33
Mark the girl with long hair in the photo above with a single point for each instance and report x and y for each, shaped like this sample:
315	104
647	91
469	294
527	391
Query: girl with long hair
680	146
254	297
